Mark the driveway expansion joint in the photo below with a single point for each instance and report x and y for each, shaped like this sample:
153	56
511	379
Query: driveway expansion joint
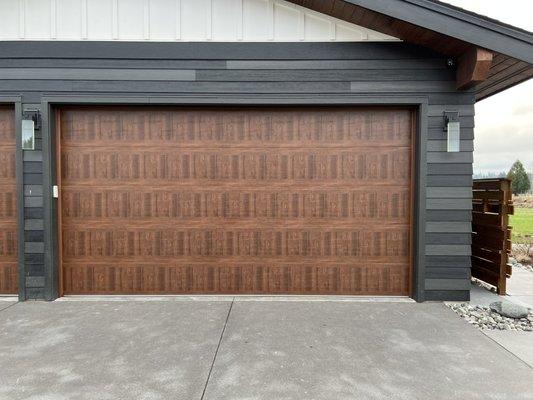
9	306
508	351
218	347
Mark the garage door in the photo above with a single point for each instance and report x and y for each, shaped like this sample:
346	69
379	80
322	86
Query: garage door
245	200
8	216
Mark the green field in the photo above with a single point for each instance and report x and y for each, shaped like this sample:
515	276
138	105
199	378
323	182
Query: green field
522	223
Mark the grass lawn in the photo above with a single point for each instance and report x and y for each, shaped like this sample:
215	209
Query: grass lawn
522	223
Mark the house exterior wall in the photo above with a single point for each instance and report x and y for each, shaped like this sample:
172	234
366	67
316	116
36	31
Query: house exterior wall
47	73
173	20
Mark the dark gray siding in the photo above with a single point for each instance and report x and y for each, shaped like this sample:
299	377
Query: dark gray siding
33	209
242	72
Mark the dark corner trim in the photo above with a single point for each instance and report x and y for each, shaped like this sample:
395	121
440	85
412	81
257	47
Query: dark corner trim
51	267
419	233
49	103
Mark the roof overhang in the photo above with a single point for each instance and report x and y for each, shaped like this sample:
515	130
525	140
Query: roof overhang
448	30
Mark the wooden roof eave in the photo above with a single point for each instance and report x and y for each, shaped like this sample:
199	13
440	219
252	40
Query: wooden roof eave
448	30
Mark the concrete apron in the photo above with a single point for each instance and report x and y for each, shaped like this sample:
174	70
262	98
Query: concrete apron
233	349
363	299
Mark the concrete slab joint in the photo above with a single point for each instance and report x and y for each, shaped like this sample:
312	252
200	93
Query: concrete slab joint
228	350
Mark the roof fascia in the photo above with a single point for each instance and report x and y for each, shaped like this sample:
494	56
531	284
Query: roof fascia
454	23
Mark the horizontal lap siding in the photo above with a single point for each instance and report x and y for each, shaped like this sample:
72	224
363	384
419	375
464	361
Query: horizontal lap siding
292	70
449	204
33	216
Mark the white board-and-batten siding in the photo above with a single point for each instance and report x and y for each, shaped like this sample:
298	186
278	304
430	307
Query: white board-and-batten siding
173	20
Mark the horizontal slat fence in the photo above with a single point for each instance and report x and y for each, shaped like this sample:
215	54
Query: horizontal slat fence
491	234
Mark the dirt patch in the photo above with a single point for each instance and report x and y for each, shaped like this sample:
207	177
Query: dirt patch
523	201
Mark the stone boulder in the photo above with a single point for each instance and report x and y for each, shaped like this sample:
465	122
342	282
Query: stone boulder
509	310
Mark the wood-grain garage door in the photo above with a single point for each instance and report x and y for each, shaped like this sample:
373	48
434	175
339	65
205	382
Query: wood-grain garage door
8	215
248	200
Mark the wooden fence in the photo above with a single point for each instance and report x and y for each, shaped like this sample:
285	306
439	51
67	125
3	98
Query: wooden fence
491	238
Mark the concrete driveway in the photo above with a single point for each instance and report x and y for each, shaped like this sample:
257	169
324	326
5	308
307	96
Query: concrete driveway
246	349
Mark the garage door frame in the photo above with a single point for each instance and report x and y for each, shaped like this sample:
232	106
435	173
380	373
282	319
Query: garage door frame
50	104
16	103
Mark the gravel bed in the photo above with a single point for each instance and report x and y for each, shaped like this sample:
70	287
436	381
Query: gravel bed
516	264
486	319
525	267
484	285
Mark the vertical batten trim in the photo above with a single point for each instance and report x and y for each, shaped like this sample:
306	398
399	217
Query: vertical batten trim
146	20
83	16
239	19
209	20
110	26
53	19
332	30
114	20
22	19
177	34
270	19
301	25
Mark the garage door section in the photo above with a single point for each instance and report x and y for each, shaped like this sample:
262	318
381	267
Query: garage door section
8	216
241	201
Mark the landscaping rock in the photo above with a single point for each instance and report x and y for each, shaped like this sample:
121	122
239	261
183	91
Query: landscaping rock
486	319
484	285
509	310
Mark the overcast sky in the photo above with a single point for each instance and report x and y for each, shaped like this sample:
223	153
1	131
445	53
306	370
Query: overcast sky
504	122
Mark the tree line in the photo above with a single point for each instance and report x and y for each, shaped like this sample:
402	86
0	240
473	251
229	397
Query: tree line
521	179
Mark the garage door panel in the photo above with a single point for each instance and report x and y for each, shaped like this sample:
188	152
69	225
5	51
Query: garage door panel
387	205
241	127
8	257
198	243
249	200
221	278
149	166
8	217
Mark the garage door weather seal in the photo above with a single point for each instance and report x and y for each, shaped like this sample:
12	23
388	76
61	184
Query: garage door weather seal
245	298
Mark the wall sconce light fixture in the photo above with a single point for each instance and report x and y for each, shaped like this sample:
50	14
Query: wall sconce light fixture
28	134
30	122
452	127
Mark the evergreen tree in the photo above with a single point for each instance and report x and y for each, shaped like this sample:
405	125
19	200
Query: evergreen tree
518	174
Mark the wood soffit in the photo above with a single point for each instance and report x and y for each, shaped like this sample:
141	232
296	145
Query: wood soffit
485	71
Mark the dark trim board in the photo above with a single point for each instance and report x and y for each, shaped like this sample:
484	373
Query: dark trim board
49	103
51	264
214	51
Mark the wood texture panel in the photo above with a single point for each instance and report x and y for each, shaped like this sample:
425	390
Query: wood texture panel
236	200
8	201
